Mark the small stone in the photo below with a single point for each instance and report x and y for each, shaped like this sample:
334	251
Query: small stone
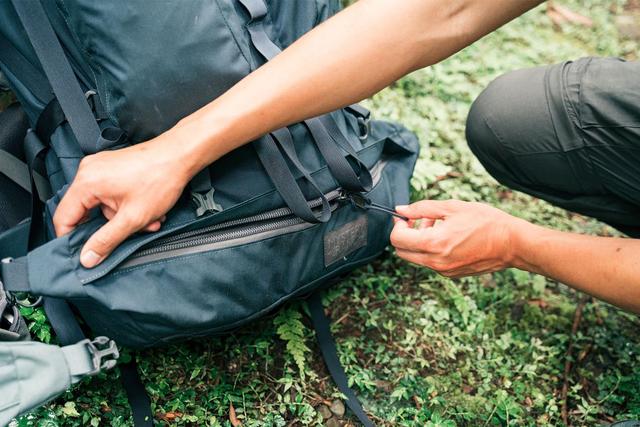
332	422
325	412
337	407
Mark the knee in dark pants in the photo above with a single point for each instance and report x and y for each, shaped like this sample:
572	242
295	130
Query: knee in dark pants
483	137
510	119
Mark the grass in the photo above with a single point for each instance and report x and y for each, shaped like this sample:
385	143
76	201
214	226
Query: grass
420	349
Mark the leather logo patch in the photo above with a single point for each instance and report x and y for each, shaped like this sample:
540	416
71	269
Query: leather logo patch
341	242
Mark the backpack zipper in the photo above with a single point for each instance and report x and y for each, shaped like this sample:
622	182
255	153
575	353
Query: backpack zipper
229	233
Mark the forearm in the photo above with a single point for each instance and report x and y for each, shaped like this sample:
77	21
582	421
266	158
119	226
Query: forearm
607	268
353	55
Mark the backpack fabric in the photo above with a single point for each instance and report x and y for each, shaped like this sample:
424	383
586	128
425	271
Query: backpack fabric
273	220
14	198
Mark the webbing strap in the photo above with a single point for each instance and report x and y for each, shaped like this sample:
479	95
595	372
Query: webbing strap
63	321
337	163
136	394
327	345
322	129
15	274
284	181
59	72
79	360
285	140
358	110
14	242
201	182
34	153
18	171
19	66
15	169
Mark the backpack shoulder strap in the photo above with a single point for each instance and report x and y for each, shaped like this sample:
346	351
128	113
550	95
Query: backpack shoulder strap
60	73
35	373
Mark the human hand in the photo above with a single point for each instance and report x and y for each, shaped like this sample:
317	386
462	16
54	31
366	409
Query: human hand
134	187
456	238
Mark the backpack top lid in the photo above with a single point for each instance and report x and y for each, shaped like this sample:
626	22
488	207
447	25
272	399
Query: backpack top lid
152	66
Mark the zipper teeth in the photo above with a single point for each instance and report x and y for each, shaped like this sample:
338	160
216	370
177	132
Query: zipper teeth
178	241
276	213
220	237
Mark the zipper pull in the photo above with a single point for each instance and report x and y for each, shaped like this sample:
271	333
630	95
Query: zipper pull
359	200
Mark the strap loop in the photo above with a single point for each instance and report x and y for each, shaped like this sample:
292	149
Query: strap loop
323	129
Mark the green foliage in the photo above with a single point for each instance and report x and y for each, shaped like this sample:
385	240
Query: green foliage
421	350
291	330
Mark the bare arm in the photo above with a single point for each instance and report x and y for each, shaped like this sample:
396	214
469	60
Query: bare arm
605	267
344	60
351	56
460	239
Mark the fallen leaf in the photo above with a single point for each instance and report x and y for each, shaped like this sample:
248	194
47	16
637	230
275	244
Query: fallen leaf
233	419
539	303
170	416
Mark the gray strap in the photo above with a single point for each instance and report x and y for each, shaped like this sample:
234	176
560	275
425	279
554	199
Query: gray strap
15	274
14	241
284	138
15	169
276	167
324	130
18	171
59	72
321	324
90	357
359	111
79	360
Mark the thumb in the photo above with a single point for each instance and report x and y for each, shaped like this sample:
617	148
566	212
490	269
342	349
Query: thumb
434	209
108	237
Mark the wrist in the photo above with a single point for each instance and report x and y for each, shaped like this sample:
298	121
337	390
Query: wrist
190	147
206	135
524	237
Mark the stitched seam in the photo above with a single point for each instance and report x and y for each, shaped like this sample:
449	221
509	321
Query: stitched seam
619	126
121	257
233	35
498	136
580	93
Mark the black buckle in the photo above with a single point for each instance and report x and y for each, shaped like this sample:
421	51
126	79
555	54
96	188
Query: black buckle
204	202
102	348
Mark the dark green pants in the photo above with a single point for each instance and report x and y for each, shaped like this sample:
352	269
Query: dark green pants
567	133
